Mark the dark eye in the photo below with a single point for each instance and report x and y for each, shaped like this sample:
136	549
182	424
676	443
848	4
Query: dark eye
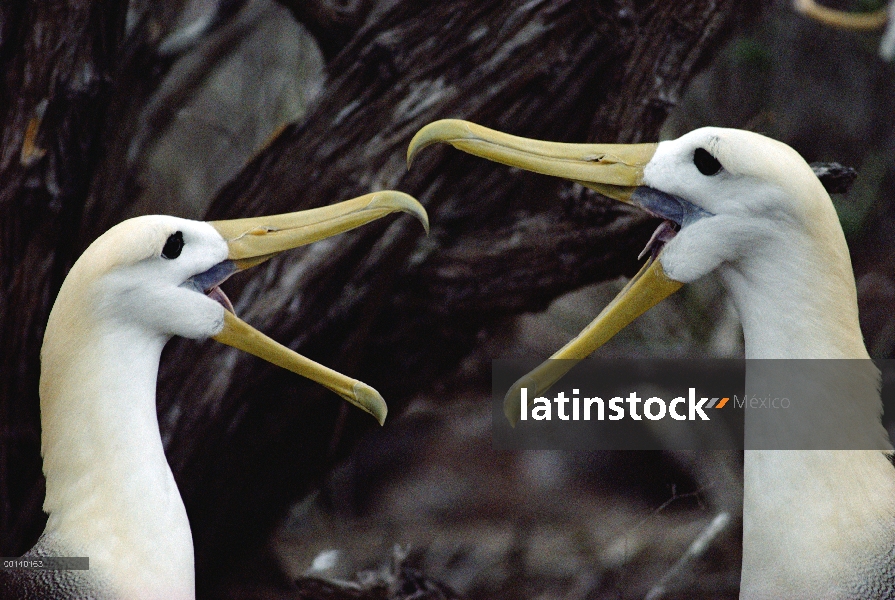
173	246
705	162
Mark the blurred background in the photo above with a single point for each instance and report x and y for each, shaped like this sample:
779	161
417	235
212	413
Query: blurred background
234	94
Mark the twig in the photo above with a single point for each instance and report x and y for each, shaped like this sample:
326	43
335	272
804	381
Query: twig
696	549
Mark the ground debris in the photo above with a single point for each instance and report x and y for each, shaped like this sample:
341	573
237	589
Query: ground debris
396	580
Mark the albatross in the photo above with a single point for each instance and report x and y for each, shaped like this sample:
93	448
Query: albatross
110	494
817	524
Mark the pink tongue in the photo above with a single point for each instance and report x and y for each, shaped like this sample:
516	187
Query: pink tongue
218	295
662	234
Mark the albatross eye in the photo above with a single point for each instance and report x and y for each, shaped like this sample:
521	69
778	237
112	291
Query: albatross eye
705	162
173	246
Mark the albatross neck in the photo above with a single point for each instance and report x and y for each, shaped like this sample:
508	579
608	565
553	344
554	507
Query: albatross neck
110	492
796	298
822	518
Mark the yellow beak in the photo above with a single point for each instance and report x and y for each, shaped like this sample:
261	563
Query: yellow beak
255	240
613	170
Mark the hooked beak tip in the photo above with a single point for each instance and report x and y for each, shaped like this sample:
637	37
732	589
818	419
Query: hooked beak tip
399	201
371	401
442	131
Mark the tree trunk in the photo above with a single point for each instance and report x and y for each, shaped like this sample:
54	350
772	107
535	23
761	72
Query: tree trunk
57	58
386	304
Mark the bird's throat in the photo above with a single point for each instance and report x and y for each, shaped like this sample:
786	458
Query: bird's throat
110	491
796	300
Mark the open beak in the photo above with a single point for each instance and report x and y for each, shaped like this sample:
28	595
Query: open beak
613	170
255	240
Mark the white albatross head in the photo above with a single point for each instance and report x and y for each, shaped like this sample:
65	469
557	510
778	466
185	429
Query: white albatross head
159	275
732	201
138	274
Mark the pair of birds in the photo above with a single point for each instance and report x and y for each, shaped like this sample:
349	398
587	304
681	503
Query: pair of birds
817	524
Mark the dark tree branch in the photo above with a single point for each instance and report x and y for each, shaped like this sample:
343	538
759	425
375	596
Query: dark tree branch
73	81
59	59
